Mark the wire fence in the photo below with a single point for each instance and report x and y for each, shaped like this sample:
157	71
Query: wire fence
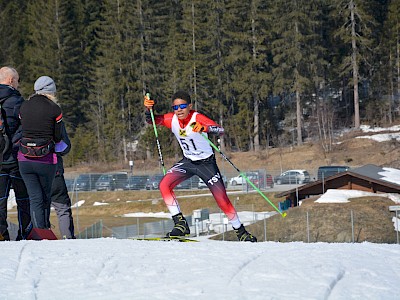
261	178
201	222
92	232
353	228
344	226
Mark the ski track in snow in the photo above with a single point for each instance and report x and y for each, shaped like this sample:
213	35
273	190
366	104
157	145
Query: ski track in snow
20	262
25	268
237	276
333	284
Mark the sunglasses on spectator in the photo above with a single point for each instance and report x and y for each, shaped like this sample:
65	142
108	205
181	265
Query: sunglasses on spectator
181	106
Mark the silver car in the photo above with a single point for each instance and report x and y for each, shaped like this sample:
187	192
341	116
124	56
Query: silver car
293	177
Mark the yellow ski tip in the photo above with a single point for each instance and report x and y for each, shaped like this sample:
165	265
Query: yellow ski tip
284	215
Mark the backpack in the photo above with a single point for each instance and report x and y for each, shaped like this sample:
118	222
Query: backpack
4	139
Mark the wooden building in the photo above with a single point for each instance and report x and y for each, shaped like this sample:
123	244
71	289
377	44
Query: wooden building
368	178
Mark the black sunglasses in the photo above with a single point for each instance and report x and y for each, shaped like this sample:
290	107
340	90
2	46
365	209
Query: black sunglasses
181	106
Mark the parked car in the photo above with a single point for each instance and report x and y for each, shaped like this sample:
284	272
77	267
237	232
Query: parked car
153	182
293	177
136	182
238	180
190	183
326	171
263	181
112	181
203	185
87	181
69	182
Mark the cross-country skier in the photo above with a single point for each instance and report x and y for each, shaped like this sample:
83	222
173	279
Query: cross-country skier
188	126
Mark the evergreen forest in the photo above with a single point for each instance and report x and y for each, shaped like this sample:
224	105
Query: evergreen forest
273	73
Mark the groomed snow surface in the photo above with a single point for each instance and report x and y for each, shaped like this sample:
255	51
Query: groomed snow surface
130	269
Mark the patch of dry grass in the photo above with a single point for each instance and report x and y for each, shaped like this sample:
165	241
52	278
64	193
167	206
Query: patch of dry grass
330	222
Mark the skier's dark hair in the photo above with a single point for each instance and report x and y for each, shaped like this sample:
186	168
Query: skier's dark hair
182	95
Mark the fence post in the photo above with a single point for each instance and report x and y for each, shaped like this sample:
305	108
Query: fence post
265	228
396	208
224	226
352	226
308	230
397	227
77	206
197	229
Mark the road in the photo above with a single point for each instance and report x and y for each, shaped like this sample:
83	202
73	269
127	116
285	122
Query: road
276	188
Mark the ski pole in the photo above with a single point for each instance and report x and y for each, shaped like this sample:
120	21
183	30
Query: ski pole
156	134
283	214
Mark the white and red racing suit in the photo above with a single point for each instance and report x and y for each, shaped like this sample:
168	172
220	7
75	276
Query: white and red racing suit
198	160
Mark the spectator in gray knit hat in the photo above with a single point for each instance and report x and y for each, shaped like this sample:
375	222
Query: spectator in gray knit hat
41	121
45	85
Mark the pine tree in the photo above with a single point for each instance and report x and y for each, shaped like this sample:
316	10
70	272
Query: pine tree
112	78
355	32
292	50
13	31
393	29
42	51
73	93
204	58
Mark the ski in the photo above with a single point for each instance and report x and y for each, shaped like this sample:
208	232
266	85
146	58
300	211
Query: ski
166	239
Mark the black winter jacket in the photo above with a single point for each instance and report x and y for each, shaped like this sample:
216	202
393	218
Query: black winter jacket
41	118
11	101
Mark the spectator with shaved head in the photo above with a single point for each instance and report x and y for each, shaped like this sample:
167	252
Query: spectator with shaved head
10	177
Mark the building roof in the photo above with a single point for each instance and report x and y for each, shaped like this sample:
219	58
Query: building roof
371	171
365	178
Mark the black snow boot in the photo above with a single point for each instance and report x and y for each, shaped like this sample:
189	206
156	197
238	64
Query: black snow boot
25	233
244	236
181	227
4	236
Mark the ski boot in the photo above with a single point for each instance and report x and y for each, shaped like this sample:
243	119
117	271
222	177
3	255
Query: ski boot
181	227
244	236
